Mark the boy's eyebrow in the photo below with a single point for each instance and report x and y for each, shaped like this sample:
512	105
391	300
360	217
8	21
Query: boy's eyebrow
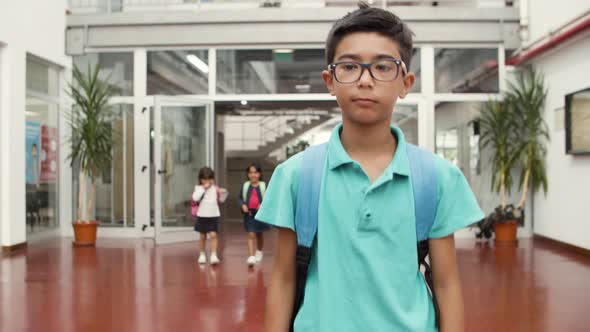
357	57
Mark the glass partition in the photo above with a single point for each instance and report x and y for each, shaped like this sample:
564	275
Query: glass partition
41	145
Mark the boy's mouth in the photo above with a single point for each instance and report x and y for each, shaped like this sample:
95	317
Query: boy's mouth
364	102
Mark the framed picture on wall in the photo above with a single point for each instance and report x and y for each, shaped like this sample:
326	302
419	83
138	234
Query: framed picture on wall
577	122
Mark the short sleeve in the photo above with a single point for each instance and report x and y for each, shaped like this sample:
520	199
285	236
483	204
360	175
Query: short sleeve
457	205
278	205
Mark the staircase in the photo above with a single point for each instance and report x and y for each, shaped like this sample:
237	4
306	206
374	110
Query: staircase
276	133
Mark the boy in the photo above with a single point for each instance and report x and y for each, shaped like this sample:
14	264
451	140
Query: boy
363	274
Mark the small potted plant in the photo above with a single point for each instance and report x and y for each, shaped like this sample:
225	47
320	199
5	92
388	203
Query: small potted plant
92	141
516	133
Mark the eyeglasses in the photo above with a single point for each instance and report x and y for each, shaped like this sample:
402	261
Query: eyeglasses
385	70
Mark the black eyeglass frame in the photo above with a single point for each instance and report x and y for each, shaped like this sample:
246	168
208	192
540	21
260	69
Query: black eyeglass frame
398	63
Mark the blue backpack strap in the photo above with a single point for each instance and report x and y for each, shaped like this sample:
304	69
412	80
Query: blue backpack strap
425	187
306	216
308	195
424	184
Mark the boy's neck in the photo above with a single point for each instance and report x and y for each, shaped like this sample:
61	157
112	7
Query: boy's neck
362	140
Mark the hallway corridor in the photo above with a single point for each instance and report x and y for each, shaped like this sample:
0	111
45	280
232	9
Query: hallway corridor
131	285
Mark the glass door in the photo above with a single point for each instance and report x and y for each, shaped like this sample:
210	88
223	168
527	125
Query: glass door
182	143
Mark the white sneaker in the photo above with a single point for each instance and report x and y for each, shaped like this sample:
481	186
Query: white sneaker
202	258
259	256
251	260
214	259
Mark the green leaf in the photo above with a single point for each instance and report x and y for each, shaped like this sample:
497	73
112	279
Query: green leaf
92	138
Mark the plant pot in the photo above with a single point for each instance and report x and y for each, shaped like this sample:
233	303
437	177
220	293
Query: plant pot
85	233
506	232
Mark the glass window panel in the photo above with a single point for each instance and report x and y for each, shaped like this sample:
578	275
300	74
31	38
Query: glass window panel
183	152
41	146
406	118
279	71
117	68
41	77
466	70
178	72
270	71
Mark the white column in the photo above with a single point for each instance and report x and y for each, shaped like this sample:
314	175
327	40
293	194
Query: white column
426	124
4	135
12	142
141	116
65	171
502	69
140	73
212	59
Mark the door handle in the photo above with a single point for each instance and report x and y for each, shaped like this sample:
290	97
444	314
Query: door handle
161	171
143	168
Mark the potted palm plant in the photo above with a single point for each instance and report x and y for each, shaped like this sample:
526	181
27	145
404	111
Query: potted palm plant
516	133
526	101
92	142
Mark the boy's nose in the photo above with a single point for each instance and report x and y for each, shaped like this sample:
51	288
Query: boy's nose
366	79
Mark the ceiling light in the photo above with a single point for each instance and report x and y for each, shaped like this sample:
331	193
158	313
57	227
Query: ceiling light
283	50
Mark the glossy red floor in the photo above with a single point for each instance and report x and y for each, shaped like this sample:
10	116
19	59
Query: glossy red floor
131	285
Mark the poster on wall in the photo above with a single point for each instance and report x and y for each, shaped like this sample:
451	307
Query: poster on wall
577	118
48	154
32	142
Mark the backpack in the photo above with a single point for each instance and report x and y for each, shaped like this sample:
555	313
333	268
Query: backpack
246	186
424	184
195	204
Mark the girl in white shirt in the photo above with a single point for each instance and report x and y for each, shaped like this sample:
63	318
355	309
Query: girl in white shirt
208	196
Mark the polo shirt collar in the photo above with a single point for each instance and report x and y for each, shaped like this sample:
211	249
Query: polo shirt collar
337	155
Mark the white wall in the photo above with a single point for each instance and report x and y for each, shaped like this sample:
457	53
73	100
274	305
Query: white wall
564	214
547	15
26	26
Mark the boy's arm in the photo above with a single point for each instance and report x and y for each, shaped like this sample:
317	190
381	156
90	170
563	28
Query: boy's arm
447	284
281	291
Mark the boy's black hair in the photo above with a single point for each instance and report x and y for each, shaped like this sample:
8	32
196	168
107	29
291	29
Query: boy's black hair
206	173
368	19
256	167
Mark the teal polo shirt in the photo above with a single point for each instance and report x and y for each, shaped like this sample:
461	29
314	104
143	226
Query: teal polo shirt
363	274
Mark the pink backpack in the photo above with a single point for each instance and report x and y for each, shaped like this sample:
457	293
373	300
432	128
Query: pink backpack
195	204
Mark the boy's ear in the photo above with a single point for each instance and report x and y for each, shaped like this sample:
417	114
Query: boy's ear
329	81
408	82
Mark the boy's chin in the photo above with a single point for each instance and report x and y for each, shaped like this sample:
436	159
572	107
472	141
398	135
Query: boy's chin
366	119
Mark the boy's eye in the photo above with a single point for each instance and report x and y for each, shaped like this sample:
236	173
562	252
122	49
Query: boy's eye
349	66
384	67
